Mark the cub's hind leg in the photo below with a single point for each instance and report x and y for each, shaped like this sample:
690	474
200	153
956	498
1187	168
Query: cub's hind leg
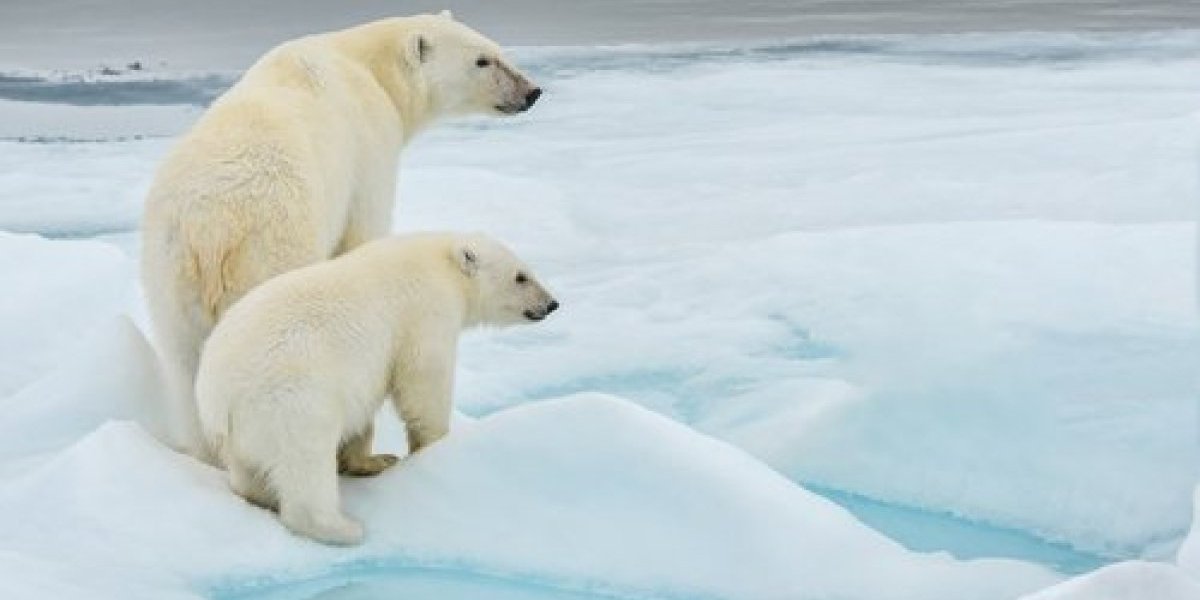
305	480
250	484
355	458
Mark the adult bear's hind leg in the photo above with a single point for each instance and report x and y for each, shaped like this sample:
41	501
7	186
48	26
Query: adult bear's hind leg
180	327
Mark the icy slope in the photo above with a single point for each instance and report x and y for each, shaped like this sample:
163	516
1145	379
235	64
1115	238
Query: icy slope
1137	580
1033	375
1126	581
57	294
74	190
589	492
114	375
955	274
1189	551
951	273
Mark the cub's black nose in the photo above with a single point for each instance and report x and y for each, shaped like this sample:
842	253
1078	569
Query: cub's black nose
531	96
553	306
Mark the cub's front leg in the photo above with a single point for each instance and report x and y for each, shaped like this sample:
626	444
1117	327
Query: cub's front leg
421	394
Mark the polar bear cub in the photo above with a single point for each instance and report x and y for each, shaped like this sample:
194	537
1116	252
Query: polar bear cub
295	372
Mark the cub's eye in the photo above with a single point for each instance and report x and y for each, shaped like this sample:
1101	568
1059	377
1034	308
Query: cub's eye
482	62
521	278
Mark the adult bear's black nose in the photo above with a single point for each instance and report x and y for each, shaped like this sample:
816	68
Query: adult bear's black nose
553	306
531	96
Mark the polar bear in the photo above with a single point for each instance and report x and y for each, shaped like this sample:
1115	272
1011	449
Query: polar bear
297	163
294	373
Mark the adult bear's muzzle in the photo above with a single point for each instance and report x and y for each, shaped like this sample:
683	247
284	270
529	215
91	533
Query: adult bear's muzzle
538	315
530	97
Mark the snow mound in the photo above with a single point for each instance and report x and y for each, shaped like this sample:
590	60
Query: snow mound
80	189
586	492
1138	580
114	375
1132	580
969	293
1189	551
1031	375
58	292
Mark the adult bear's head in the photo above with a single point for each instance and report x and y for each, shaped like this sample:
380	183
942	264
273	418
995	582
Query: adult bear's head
465	72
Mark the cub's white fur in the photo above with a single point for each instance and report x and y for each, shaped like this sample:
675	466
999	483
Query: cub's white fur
293	375
297	163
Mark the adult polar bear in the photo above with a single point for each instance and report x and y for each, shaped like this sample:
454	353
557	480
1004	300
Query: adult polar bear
297	163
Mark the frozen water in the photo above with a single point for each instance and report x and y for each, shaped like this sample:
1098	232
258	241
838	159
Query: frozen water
399	582
56	293
75	189
1086	419
1134	580
588	493
954	277
1189	551
114	389
925	531
926	276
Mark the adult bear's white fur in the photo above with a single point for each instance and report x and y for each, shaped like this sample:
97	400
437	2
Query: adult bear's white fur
295	371
297	163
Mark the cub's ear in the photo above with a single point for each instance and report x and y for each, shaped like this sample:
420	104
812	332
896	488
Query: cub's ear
446	14
467	260
418	49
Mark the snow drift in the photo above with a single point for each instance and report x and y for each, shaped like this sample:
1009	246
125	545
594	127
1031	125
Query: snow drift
586	492
952	274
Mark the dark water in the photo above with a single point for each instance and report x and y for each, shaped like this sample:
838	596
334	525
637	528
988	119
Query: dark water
228	34
123	86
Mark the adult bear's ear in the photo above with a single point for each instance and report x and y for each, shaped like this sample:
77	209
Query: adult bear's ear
418	49
467	260
446	14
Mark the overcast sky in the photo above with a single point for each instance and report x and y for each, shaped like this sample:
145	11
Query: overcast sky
228	34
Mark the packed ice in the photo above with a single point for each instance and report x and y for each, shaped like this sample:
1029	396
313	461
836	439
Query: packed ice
947	274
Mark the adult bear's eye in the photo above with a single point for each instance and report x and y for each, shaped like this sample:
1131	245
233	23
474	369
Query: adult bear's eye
482	62
521	278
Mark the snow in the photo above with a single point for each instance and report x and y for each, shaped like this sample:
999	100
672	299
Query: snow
1134	580
75	189
1189	550
586	492
35	122
1137	580
968	242
85	393
808	376
953	275
58	291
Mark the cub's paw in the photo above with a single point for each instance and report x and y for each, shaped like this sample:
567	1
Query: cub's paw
365	466
332	529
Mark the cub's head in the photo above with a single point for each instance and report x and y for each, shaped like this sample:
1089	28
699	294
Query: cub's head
465	72
504	291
